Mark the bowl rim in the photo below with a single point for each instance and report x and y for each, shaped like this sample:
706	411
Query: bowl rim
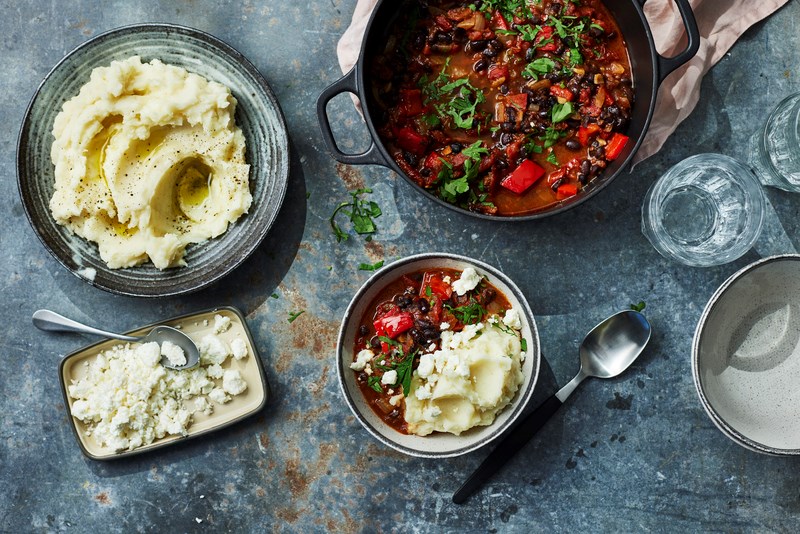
521	399
718	421
284	154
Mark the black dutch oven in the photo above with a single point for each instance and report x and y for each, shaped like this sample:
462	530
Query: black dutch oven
648	66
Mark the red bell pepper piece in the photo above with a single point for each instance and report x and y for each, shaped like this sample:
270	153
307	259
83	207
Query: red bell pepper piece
438	286
615	146
411	102
561	92
409	139
393	324
496	72
544	34
585	132
498	22
523	177
518	102
566	191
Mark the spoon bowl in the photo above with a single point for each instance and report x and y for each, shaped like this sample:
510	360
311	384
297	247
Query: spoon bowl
53	322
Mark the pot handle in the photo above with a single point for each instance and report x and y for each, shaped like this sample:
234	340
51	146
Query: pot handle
668	64
347	84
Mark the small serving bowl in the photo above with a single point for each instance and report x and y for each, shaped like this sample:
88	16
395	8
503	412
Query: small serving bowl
257	114
436	445
745	357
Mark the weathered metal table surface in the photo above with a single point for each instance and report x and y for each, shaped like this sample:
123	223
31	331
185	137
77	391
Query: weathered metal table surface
633	454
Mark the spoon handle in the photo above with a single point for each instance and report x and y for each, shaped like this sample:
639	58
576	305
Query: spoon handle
53	322
519	435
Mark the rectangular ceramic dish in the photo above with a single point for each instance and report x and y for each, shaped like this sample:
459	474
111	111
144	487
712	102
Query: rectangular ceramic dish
196	325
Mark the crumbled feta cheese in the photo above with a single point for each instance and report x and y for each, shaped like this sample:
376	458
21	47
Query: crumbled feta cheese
512	319
213	349
239	348
389	378
214	370
363	357
432	412
444	326
468	281
174	353
218	395
232	382
127	399
446	279
425	367
395	399
221	323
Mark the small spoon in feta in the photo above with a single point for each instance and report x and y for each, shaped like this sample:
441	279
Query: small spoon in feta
178	351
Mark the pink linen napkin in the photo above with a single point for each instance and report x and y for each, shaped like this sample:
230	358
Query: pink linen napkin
721	22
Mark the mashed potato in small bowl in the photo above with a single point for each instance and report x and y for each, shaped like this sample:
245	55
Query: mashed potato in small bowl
438	354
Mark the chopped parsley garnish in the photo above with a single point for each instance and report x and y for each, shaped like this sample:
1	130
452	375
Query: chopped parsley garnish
360	212
454	101
469	313
450	187
561	112
551	136
375	383
370	266
551	158
274	295
639	307
400	362
537	67
295	315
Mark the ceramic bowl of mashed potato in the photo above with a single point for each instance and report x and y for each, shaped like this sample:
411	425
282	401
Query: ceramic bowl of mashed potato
152	160
438	354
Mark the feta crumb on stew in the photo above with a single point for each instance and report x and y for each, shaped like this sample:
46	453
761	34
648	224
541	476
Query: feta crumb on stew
468	281
389	378
362	358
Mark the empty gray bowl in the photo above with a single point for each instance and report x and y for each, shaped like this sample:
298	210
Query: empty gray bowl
746	356
257	114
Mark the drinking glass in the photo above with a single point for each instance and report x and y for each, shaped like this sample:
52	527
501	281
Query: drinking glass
706	210
775	148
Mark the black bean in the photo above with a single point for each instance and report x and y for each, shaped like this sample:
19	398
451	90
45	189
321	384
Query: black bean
410	158
572	144
425	171
424	307
543	113
456	147
416	335
501	164
585	166
480	65
504	89
459	35
375	343
582	178
530	54
404	301
507	126
614	110
496	44
594	170
490	52
511	114
476	46
556	184
506	138
595	32
554	9
444	38
363	330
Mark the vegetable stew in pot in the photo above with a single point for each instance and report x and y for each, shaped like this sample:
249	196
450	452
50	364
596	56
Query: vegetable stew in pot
503	107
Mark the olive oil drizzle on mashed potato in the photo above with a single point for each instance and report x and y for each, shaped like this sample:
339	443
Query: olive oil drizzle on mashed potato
147	160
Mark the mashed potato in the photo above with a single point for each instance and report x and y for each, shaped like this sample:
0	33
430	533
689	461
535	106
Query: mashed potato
148	160
467	382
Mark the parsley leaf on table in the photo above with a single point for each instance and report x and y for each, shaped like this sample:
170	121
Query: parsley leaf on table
360	212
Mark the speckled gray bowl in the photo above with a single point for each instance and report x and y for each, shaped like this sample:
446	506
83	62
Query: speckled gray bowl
257	114
436	445
746	356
